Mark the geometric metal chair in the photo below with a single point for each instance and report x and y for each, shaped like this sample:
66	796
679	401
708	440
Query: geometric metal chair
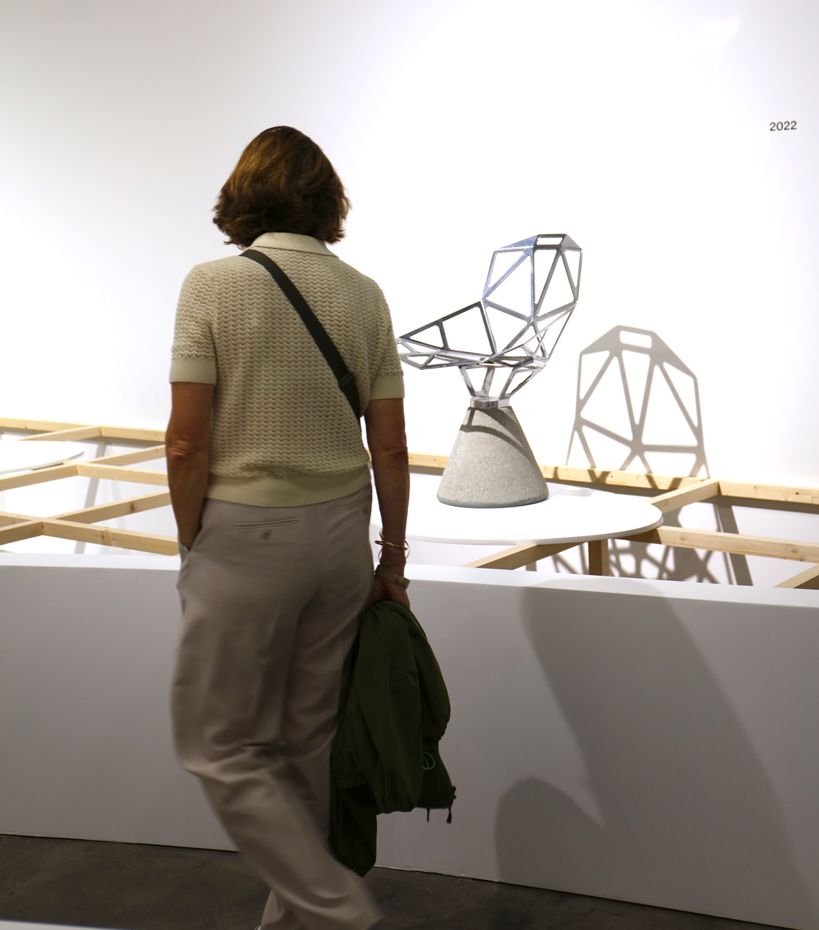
499	344
531	290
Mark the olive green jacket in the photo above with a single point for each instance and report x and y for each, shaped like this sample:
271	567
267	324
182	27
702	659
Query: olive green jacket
385	756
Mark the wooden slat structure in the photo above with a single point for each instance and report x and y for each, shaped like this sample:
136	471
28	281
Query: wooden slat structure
518	556
669	493
806	579
78	524
117	508
691	494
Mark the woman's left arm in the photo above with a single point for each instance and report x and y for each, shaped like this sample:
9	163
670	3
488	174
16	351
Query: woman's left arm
187	443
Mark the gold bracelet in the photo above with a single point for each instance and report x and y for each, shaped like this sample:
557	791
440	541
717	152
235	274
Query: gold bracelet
385	542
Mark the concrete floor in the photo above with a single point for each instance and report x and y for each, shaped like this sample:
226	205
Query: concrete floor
167	888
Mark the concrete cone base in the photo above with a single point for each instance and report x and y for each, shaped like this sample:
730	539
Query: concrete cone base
491	463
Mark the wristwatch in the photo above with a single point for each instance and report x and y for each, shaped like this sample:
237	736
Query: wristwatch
391	576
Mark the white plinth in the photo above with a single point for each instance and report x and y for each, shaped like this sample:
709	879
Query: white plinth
569	515
20	455
649	741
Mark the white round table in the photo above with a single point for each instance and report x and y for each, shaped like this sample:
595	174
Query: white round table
25	456
569	515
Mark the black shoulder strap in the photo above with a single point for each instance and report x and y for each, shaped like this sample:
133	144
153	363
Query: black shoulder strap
344	377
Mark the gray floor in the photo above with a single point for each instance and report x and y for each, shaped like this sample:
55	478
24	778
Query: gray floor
167	888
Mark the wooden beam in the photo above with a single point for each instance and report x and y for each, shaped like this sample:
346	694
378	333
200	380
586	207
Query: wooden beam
565	473
94	468
640	481
770	492
674	500
80	432
38	477
114	473
806	579
11	534
122	432
518	556
598	557
427	464
109	536
436	463
9	519
117	508
620	479
730	542
130	458
39	425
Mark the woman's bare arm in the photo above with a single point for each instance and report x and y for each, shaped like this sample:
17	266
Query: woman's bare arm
187	443
387	440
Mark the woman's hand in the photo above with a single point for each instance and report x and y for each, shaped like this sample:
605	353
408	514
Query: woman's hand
384	590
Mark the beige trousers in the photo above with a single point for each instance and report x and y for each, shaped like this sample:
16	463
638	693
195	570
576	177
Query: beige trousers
270	602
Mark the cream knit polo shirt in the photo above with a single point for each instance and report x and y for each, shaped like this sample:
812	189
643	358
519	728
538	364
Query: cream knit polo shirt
283	434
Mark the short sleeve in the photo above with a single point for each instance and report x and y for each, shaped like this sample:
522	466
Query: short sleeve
193	356
388	378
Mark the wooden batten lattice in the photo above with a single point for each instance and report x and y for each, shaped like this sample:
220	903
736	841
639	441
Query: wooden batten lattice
670	494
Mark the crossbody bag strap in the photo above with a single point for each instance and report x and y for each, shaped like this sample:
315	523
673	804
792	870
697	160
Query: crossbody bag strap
344	377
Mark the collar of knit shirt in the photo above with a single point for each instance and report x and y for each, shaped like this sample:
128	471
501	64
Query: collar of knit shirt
291	242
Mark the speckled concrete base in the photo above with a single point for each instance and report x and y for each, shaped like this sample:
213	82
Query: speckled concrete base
491	463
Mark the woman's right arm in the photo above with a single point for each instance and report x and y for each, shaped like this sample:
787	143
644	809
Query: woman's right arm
387	441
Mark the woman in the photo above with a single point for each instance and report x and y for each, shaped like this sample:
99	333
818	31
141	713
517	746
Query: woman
270	487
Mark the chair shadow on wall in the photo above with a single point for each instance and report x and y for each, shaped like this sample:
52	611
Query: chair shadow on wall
638	409
676	807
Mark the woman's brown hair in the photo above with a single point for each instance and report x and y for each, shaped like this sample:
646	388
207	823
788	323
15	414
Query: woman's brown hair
283	182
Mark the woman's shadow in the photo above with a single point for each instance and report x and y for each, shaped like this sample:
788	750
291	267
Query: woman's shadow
687	816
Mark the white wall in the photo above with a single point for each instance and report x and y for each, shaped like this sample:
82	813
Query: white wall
647	741
640	128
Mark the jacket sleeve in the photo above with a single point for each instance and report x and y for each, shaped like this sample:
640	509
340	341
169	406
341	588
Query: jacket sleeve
386	687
